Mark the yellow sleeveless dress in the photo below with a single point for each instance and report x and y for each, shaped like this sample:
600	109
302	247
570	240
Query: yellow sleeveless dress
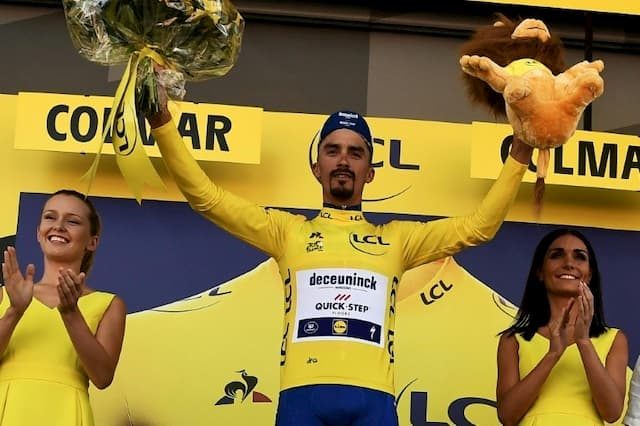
565	397
41	380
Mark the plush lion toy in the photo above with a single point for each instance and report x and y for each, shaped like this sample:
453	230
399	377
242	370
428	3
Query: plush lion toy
515	70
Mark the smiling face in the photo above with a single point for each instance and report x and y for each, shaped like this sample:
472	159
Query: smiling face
565	264
343	167
65	231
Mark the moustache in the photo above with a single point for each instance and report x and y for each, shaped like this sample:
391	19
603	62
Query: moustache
342	172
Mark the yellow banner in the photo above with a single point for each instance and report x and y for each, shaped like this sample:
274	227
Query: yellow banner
610	6
422	167
588	159
74	123
9	190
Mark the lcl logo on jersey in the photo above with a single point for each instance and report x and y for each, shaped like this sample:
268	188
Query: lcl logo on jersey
237	391
374	245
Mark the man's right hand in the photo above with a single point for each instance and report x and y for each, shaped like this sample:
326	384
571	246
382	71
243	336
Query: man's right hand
159	119
163	116
19	287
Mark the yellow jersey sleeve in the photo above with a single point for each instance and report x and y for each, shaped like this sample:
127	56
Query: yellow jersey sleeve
265	229
428	241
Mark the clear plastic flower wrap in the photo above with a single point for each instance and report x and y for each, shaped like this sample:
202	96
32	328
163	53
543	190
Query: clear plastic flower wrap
198	38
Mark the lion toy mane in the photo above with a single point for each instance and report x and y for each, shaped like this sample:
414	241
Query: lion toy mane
518	71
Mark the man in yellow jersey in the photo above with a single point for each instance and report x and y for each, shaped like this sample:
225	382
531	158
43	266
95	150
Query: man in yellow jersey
340	272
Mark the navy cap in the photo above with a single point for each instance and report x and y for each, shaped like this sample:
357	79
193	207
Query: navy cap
348	120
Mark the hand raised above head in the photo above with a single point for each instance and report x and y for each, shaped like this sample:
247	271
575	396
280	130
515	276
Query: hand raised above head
162	116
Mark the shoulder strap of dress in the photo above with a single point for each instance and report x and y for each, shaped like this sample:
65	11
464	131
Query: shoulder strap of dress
605	340
97	302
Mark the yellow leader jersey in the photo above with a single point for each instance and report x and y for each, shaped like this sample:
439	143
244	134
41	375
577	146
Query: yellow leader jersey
445	353
340	272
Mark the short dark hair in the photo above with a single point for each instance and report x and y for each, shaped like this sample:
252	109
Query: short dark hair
534	311
95	224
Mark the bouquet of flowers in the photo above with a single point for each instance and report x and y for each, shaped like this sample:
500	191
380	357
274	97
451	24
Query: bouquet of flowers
189	39
192	39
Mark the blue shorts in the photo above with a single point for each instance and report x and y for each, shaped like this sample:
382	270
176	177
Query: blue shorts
336	405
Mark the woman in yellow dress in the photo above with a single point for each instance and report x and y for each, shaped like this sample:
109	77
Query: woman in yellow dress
559	363
57	335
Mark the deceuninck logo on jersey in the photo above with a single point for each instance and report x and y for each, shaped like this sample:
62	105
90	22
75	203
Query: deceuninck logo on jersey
341	304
